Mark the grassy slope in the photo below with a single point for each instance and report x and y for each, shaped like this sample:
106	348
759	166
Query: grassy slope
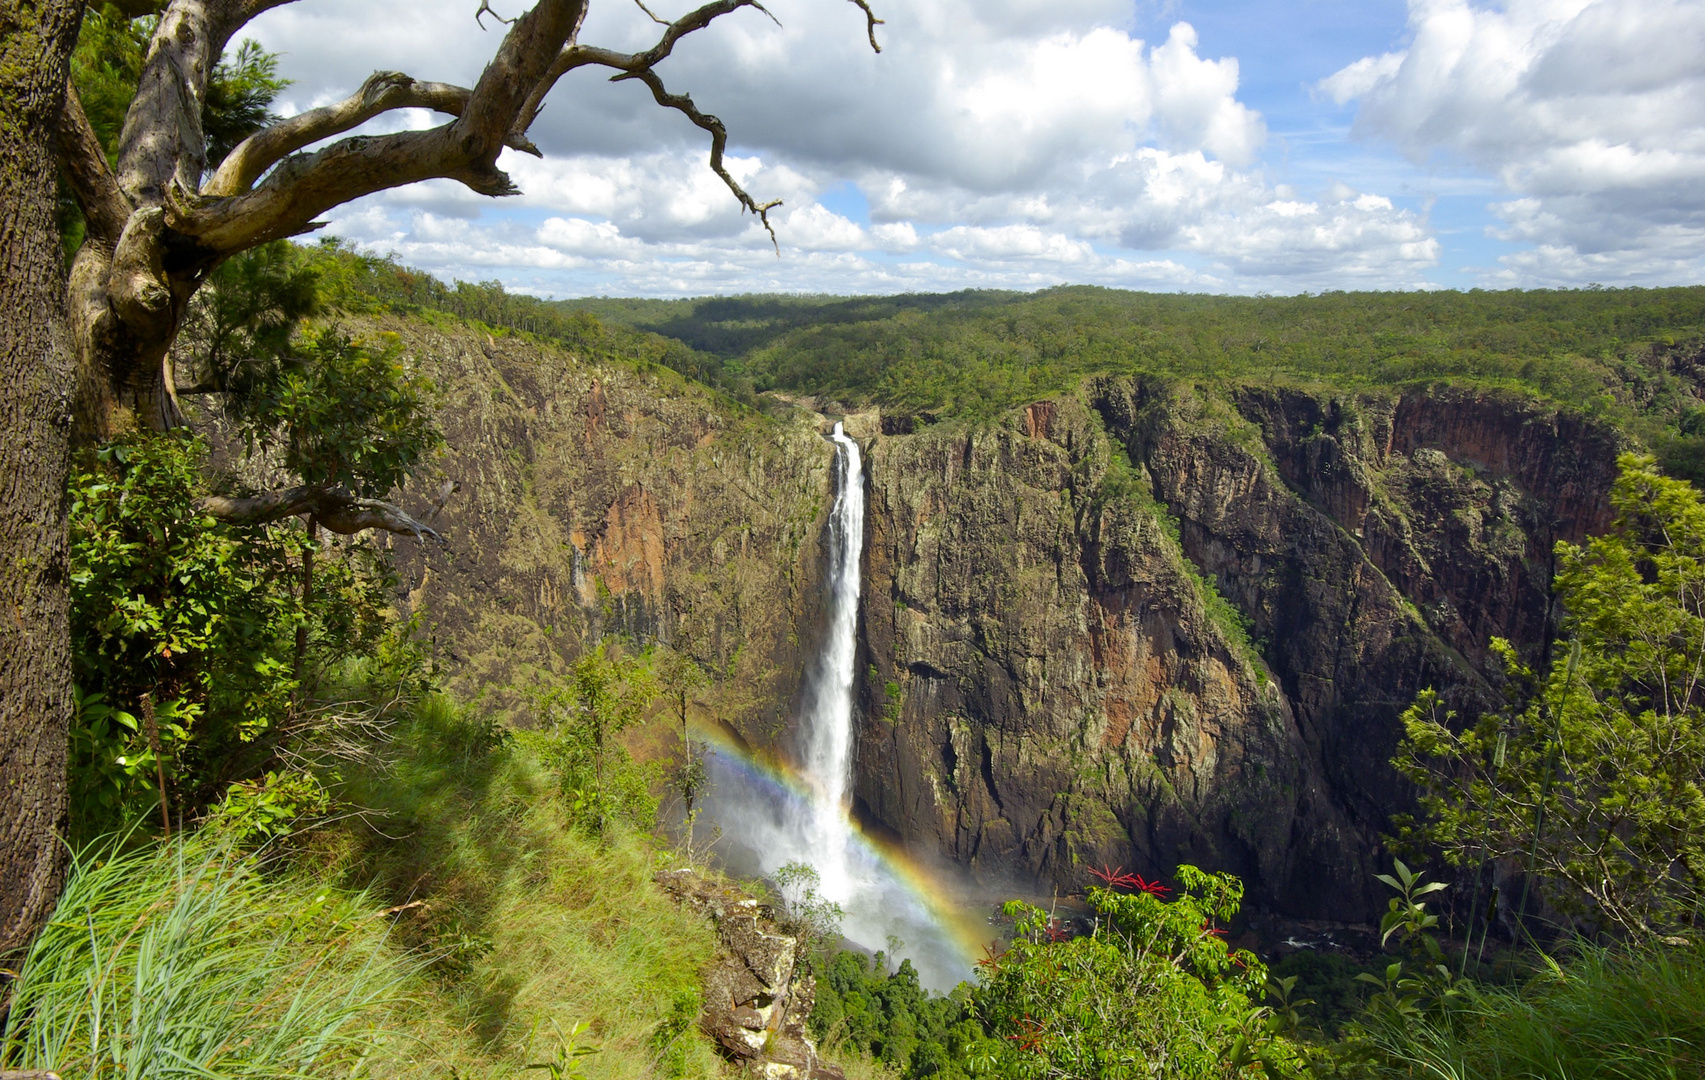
1633	1015
525	928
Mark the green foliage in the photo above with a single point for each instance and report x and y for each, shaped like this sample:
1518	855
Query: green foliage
1602	1015
240	324
1154	991
578	722
1425	983
807	914
565	1064
1620	353
106	67
863	1008
681	680
239	99
343	413
199	617
269	807
183	959
366	284
1591	774
1329	982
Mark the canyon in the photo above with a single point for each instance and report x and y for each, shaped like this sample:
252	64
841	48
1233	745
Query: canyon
1146	622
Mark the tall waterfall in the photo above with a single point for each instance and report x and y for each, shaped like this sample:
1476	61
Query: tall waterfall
771	818
827	725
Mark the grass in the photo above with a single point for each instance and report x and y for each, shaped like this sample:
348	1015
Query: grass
1603	1015
461	926
183	959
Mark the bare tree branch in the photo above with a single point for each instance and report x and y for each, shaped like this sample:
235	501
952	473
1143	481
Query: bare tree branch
105	209
485	9
871	22
718	143
304	186
333	507
383	92
580	56
640	66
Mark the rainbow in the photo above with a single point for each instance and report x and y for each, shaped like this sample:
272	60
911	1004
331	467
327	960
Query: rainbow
964	930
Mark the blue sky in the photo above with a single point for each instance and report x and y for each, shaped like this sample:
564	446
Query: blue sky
1207	146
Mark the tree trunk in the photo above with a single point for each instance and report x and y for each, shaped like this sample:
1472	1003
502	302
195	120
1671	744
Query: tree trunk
36	38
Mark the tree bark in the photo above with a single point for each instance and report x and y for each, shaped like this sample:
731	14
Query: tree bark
36	38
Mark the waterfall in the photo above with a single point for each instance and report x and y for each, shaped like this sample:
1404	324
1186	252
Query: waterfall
827	726
771	818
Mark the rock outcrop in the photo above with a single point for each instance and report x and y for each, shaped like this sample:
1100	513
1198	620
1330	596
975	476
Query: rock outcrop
756	1000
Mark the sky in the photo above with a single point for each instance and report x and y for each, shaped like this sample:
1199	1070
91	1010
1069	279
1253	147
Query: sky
1224	146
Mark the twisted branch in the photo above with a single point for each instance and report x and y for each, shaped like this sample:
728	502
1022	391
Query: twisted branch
485	9
105	209
718	143
384	91
641	66
332	506
871	22
305	185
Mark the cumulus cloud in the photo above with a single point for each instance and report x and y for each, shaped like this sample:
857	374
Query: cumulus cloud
1587	111
1000	142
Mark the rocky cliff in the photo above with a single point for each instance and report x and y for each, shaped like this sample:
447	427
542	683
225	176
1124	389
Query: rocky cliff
1154	623
1145	623
605	499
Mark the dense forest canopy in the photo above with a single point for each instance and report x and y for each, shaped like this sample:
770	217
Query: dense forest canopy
974	352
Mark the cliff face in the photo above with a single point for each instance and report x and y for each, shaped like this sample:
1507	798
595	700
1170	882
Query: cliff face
1055	675
598	500
1143	624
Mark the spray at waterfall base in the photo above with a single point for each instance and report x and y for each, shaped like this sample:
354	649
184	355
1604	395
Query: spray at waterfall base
770	817
758	805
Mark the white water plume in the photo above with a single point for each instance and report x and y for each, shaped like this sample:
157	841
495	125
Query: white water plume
768	823
828	719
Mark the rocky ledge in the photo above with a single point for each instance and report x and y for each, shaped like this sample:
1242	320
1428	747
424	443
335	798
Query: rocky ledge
756	1000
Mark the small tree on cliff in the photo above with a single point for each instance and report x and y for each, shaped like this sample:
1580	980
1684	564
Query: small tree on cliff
159	220
682	680
1594	777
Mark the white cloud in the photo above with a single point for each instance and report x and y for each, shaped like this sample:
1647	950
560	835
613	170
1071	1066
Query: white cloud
1589	112
1000	142
969	243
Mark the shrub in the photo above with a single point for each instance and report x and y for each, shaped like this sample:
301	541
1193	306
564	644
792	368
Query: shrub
1153	992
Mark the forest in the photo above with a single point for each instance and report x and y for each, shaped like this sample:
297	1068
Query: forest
1624	354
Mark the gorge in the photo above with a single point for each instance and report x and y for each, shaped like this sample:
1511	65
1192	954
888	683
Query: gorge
1150	621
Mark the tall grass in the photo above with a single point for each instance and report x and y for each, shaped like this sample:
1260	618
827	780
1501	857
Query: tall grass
463	924
182	959
534	923
1603	1015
